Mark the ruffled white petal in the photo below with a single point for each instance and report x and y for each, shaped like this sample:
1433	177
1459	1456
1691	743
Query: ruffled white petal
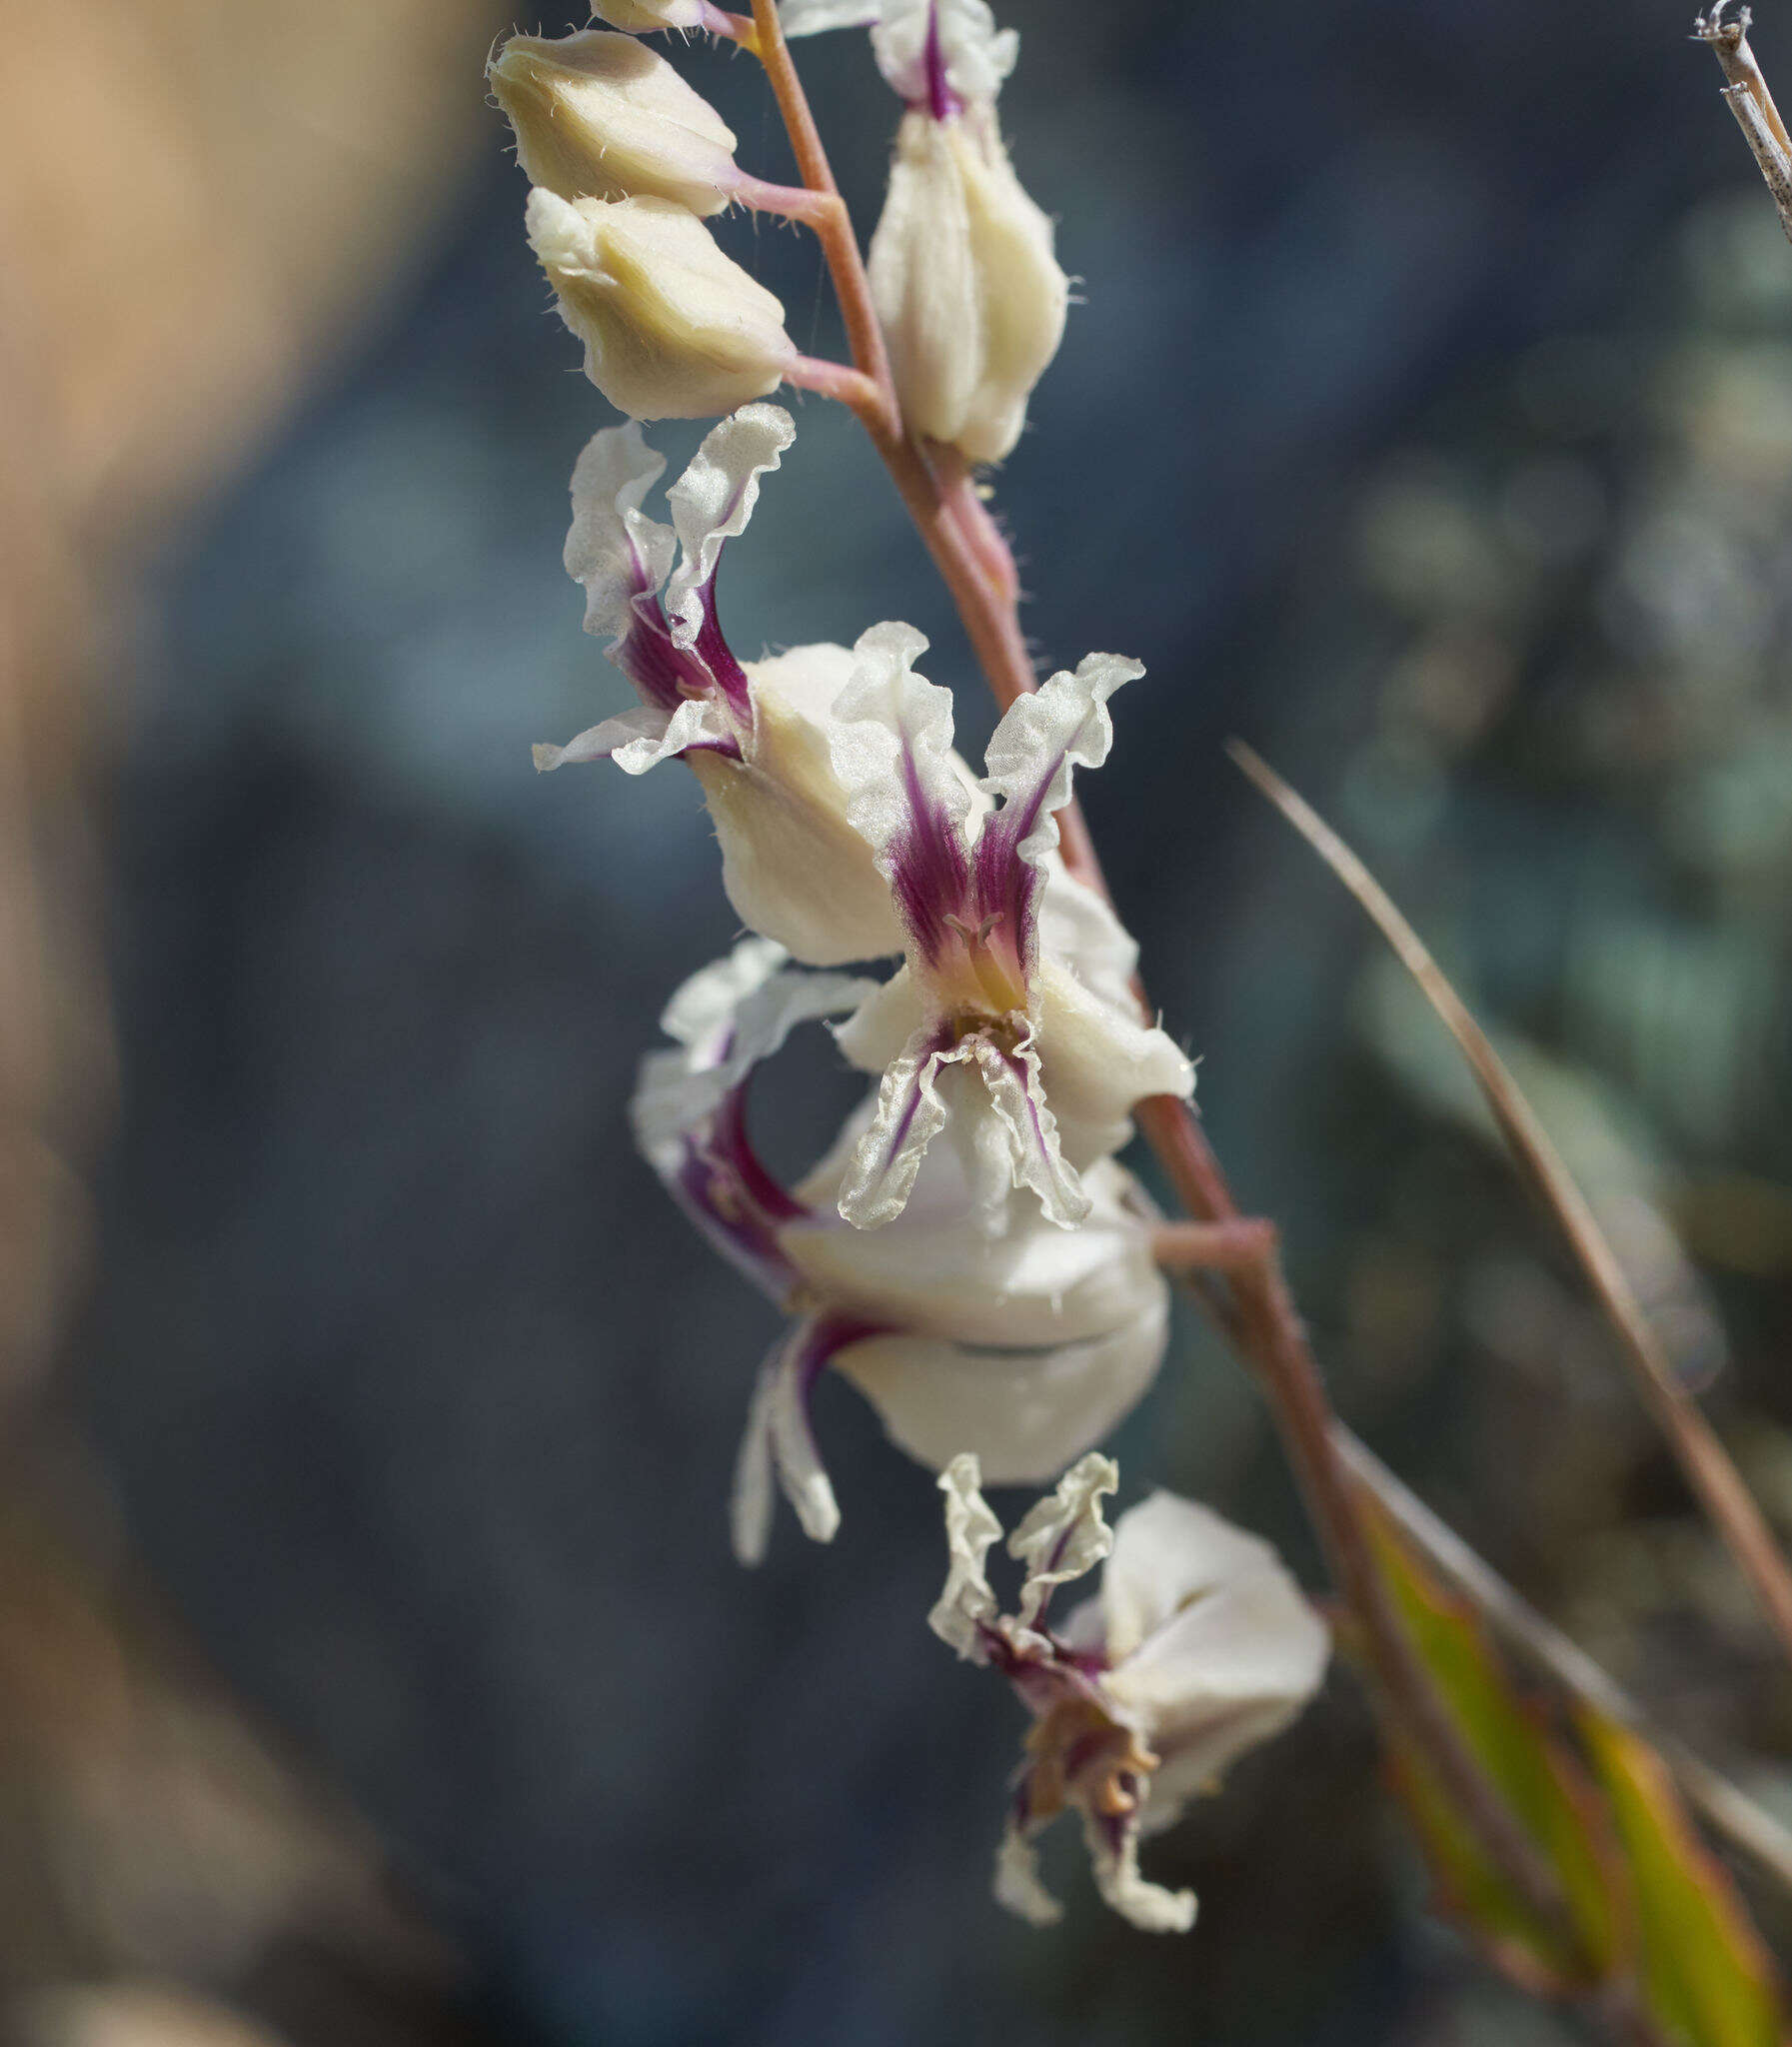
892	743
791	866
1148	1906
712	501
910	1116
613	547
970	1527
644	726
728	1016
1212	1645
1017	1885
1065	1535
1096	1058
1042	738
1026	1413
641	739
779	1440
1018	1102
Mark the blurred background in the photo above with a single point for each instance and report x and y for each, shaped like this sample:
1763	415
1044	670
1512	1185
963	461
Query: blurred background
372	1665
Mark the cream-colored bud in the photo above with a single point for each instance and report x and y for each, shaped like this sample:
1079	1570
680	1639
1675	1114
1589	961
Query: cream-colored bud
603	117
672	329
644	17
969	295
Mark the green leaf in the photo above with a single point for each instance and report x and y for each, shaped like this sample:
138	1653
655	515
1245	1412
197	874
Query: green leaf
1705	1977
1540	1779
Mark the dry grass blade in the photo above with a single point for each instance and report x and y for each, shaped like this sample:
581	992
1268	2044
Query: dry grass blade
1751	103
1728	1810
1706	1463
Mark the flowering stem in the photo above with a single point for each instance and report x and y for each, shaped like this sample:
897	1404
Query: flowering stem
1751	102
993	627
1256	1310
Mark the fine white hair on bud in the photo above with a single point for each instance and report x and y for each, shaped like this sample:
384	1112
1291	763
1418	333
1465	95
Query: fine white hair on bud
644	17
969	295
603	117
673	328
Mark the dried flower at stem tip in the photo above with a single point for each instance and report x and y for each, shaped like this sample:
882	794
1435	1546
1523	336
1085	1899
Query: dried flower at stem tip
1198	1646
673	328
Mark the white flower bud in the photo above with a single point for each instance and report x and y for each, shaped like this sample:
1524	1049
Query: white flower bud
970	297
603	117
643	17
672	329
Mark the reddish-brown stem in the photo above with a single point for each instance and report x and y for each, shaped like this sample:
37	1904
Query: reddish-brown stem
1256	1309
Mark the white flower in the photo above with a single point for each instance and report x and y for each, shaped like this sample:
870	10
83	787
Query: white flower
753	732
1028	1345
673	328
985	1031
603	117
931	51
969	295
1199	1647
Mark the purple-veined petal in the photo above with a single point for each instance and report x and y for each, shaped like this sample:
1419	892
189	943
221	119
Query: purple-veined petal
689	1106
1033	755
613	547
910	1116
975	55
647	724
966	1605
1026	1413
712	503
1064	1534
1018	1100
780	1441
892	742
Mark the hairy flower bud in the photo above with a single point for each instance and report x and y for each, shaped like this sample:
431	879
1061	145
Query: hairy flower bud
969	295
603	117
672	329
643	17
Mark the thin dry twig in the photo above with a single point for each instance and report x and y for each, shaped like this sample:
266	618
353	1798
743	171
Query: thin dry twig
1751	102
1702	1457
1728	1810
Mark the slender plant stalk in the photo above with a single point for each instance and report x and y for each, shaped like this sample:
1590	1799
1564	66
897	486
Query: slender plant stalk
1256	1311
1702	1457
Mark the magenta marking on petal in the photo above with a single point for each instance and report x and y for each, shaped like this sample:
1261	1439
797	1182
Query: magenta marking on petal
1007	889
718	658
943	101
729	1140
931	879
663	674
